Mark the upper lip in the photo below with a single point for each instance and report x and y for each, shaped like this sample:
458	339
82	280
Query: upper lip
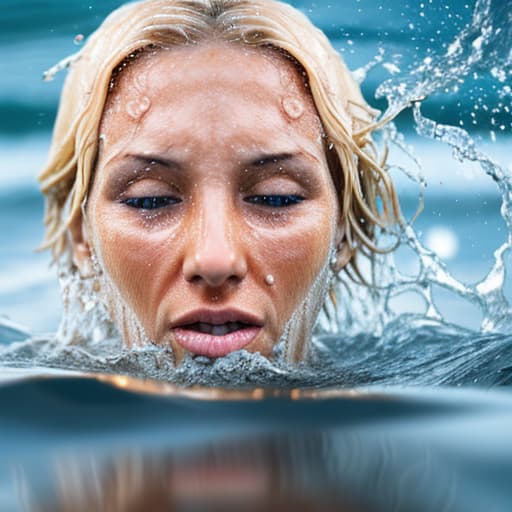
216	317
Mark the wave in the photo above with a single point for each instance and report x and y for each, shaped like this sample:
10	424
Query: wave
412	351
22	160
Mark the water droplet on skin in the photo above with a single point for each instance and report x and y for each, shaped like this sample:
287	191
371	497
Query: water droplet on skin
136	108
293	107
269	279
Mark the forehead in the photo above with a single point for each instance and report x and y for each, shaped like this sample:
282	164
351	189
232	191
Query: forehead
220	82
213	62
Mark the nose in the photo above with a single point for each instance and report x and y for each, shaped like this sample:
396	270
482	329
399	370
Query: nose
215	255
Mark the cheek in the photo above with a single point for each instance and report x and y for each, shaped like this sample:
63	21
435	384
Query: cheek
134	260
294	256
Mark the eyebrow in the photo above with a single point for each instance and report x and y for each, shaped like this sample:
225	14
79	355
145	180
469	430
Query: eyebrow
299	167
151	159
266	160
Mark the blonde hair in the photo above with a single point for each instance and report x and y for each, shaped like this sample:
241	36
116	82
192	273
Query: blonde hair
366	194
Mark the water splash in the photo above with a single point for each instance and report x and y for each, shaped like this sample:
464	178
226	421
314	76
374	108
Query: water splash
65	63
410	351
483	46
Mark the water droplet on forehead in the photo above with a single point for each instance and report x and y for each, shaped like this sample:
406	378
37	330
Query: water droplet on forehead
137	107
293	107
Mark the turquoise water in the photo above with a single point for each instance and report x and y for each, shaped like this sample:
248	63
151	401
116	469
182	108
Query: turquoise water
405	439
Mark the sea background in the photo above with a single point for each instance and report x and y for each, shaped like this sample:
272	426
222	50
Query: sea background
461	220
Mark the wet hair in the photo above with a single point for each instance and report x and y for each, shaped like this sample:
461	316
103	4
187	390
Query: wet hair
366	195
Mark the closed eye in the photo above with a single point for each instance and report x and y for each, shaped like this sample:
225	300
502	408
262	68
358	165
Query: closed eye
274	200
150	202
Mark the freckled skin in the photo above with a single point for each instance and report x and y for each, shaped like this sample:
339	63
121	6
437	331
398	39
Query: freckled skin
213	108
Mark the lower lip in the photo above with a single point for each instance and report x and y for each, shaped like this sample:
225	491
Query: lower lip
202	344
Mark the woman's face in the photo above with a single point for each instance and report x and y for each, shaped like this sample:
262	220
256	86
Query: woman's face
212	209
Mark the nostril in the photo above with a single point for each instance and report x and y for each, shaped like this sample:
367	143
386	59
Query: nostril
215	269
194	279
215	275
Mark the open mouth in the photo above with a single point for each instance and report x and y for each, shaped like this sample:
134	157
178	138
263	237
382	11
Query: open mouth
216	329
215	334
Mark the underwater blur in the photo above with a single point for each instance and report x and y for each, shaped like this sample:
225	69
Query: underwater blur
442	315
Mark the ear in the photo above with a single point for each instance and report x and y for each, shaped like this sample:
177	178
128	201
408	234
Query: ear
343	256
344	252
81	249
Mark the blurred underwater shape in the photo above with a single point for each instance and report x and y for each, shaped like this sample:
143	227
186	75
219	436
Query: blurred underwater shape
117	444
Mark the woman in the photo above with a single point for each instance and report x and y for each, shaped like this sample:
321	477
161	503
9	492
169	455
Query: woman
211	172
